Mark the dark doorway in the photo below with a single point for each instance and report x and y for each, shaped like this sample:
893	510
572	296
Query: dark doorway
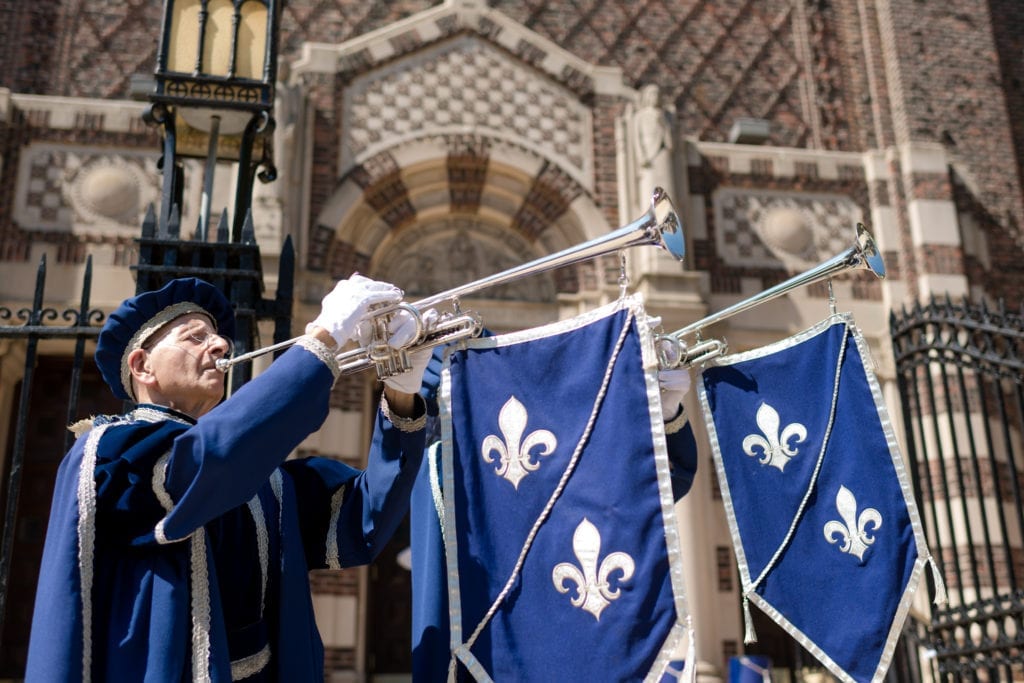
390	609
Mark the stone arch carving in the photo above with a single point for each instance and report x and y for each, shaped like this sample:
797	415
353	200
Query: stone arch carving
442	210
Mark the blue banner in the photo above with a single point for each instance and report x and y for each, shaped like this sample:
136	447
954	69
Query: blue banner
826	532
560	535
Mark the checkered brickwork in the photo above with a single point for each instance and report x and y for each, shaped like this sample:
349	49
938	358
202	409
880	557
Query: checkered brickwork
466	84
739	223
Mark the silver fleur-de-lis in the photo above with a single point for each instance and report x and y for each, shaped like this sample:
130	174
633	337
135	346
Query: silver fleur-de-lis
593	591
853	530
516	461
775	446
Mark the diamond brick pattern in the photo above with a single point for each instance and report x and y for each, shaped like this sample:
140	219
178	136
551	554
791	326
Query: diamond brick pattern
716	61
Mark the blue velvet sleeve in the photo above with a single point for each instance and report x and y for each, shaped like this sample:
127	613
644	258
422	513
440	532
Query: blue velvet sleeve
682	460
347	516
220	462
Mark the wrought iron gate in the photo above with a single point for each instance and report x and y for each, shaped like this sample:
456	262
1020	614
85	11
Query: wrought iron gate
960	369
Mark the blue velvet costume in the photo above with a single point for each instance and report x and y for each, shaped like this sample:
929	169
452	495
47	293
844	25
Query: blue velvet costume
180	549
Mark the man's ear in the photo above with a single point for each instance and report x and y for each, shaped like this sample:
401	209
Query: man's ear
140	367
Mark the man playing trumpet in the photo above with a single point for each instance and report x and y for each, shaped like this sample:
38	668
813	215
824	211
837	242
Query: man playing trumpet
180	538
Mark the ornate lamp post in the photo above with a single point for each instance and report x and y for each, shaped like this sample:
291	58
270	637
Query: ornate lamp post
214	100
216	68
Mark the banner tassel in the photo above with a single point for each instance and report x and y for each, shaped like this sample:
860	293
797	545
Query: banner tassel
941	598
749	636
690	668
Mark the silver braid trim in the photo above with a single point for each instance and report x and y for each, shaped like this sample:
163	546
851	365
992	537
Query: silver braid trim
87	542
200	576
263	543
403	424
321	351
160	491
200	609
248	666
677	423
277	486
332	556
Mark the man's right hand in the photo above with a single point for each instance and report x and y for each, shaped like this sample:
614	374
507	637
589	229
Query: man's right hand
348	303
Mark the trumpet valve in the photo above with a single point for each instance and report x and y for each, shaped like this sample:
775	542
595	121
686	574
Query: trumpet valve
388	361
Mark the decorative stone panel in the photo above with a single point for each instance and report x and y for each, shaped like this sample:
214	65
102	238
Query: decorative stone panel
84	190
466	85
757	228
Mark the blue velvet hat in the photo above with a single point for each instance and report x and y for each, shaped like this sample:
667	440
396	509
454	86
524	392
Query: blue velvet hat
143	315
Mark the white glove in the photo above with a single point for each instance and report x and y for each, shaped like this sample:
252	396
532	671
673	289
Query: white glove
674	385
410	381
347	304
403	326
403	332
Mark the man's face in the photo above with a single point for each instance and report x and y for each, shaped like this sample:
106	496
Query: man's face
183	359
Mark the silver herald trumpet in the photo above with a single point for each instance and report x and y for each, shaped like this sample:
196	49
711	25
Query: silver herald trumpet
674	351
659	226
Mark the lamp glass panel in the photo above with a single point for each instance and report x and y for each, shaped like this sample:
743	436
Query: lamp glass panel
184	38
252	41
217	41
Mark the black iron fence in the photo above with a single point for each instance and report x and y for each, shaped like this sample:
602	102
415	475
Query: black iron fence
960	369
81	324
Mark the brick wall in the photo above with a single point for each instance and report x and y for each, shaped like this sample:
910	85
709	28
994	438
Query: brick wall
953	90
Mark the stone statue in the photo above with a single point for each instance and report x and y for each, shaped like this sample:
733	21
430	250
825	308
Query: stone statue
288	112
652	138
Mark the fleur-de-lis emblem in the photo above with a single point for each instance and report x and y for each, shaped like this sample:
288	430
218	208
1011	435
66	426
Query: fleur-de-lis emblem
516	461
593	591
775	446
853	530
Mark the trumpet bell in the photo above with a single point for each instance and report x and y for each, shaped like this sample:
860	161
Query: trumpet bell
667	224
868	252
863	255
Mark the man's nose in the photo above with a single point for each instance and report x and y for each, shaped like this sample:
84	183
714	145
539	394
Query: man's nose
219	345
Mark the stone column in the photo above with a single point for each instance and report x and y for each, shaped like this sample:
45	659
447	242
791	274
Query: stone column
277	205
935	239
695	514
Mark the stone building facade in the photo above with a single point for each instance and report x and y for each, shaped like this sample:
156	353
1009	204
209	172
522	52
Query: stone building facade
433	143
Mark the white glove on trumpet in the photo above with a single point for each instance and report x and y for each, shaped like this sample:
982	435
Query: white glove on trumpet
674	383
674	386
348	303
403	333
